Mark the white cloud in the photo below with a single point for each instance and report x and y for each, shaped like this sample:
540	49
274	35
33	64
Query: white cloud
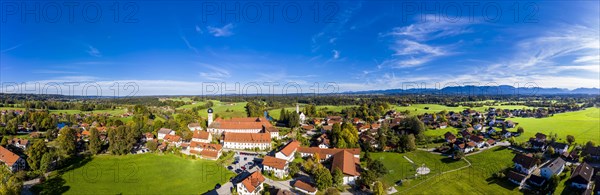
336	54
189	45
224	31
198	29
93	51
214	73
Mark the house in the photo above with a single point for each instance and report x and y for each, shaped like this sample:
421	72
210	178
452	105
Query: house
582	176
162	132
470	147
204	150
536	180
491	142
326	153
560	148
202	136
288	151
194	126
13	162
305	187
19	143
348	164
540	137
251	185
443	125
324	141
479	141
279	167
261	141
450	137
148	136
308	127
524	163
553	168
594	152
333	119
571	156
272	130
516	177
173	139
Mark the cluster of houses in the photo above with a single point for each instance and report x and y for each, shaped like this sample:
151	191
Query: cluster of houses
469	141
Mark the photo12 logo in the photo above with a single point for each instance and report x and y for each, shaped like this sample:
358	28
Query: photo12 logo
269	11
68	12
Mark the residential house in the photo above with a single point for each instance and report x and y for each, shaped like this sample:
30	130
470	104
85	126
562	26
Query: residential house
251	185
279	167
553	168
305	187
204	150
572	156
540	137
450	137
443	125
516	177
261	141
560	147
326	153
162	132
479	141
594	152
272	130
19	143
323	141
582	176
201	136
194	126
288	151
491	142
13	162
536	180
524	163
173	140
148	137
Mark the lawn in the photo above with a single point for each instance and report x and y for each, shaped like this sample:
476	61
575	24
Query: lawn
400	168
236	109
584	125
420	108
114	112
276	112
476	179
140	174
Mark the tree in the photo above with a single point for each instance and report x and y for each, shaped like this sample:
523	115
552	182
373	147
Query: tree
67	141
377	167
382	137
378	188
332	191
366	178
458	154
407	143
9	182
590	144
520	130
550	150
35	154
323	178
152	145
570	139
95	144
338	177
294	168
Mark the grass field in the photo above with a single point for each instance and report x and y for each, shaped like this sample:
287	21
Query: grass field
276	112
584	125
476	179
420	108
400	168
11	108
140	174
237	109
114	112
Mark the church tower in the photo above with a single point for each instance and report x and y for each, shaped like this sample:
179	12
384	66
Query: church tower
210	116
297	108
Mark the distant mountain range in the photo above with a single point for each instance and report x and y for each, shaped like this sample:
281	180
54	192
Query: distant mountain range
484	90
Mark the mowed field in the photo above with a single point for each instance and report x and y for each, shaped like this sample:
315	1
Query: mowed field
237	109
420	108
140	174
476	179
276	112
400	168
584	125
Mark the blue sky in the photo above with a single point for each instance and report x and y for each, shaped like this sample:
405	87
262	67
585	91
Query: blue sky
172	48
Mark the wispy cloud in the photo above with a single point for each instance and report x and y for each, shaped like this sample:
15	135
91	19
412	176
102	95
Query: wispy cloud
214	73
93	51
224	31
198	29
189	45
11	48
336	54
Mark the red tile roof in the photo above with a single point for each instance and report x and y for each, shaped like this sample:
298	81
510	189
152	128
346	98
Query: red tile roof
290	148
346	162
8	157
274	162
247	137
253	181
304	186
241	123
206	146
323	152
201	135
172	138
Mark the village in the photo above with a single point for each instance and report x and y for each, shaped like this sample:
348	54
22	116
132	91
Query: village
281	168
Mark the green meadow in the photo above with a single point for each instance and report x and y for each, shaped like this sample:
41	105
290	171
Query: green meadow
275	113
476	179
138	174
431	108
584	125
236	109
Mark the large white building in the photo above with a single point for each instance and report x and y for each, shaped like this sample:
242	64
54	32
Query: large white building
261	141
11	160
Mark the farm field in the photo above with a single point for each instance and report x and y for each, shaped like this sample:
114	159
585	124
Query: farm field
276	112
11	108
114	112
420	108
139	174
584	125
237	109
476	179
400	168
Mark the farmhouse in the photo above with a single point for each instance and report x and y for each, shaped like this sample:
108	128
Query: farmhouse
279	167
305	187
288	151
13	162
251	185
582	176
247	140
348	164
524	163
162	132
202	136
553	168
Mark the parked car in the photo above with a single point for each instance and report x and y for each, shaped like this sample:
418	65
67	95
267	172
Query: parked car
230	167
238	171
